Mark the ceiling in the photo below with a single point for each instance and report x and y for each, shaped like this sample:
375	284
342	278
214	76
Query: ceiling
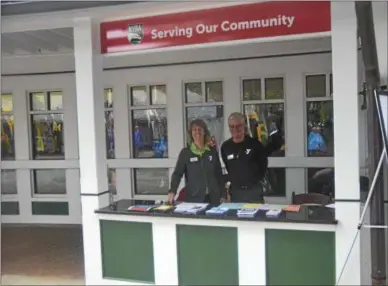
41	42
9	8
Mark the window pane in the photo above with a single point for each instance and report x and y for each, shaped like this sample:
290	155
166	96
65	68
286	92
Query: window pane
109	133
274	182
320	128
139	96
193	92
158	94
274	88
50	181
38	101
266	123
316	85
149	138
47	136
6	103
55	98
151	181
321	180
214	91
252	89
8	182
108	98
112	181
7	138
213	117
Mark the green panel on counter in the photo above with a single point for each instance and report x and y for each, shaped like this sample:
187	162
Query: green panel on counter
207	255
50	208
9	208
127	251
296	257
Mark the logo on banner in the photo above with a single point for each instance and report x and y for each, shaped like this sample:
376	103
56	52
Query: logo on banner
135	33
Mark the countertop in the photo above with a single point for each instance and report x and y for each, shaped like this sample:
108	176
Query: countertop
306	214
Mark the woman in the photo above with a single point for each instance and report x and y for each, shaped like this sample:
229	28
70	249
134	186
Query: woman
200	164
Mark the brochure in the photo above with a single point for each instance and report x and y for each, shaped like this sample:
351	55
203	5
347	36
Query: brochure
273	213
231	206
190	208
163	208
217	211
292	208
141	208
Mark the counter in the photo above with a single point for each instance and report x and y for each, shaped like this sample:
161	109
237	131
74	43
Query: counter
177	249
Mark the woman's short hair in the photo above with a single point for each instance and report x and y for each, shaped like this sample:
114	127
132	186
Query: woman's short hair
200	123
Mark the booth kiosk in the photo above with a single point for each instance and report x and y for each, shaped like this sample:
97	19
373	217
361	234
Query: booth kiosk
122	248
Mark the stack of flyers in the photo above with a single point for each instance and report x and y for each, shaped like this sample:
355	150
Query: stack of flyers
273	213
217	211
251	206
292	208
267	207
248	212
163	208
141	208
231	206
190	208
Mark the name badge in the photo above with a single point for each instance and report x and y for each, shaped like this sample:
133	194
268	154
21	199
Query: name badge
194	159
230	157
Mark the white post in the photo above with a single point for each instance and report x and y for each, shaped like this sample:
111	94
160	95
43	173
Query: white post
346	136
91	136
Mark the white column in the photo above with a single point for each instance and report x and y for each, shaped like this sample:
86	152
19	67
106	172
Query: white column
346	136
91	136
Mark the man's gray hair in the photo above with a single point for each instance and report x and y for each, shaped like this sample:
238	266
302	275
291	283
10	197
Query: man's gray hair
237	115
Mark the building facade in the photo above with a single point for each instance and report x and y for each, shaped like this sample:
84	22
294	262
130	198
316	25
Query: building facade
67	110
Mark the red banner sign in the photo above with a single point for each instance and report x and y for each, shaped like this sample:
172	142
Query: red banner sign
242	22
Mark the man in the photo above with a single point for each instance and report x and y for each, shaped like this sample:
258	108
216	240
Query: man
245	160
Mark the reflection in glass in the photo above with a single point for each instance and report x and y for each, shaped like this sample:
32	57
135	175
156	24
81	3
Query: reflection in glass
112	181
321	180
149	127
47	136
38	101
158	94
109	135
193	92
7	138
151	181
316	85
108	98
139	96
320	128
213	117
6	103
55	99
252	89
214	91
266	123
274	182
49	181
8	182
274	88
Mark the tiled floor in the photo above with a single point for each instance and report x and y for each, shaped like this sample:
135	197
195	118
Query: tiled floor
42	256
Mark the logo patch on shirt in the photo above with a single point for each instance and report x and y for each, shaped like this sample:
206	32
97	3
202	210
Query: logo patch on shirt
210	158
194	159
230	157
247	151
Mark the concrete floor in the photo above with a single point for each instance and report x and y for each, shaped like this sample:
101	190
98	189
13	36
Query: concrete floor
41	255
